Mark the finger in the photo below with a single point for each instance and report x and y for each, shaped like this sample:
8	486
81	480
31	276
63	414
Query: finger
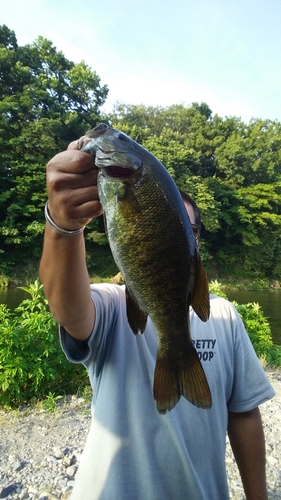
73	145
79	197
60	181
72	161
87	210
80	143
75	208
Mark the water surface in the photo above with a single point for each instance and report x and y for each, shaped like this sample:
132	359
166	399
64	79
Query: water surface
12	296
269	300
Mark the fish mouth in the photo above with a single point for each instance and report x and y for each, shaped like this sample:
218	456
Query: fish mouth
117	172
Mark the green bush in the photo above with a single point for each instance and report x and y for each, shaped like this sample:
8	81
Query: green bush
259	331
31	360
216	288
257	326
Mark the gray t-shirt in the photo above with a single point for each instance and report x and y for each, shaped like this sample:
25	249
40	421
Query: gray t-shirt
134	453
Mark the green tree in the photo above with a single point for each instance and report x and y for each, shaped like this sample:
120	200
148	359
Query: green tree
251	155
45	102
230	168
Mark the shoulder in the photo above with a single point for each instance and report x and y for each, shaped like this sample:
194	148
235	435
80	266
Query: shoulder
108	292
219	303
221	308
229	326
225	322
110	304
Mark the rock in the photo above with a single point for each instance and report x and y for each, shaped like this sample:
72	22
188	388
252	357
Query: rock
67	461
24	494
7	490
71	470
47	496
32	490
275	284
58	454
17	465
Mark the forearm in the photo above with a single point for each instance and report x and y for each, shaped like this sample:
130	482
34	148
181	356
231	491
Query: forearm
72	202
64	275
247	441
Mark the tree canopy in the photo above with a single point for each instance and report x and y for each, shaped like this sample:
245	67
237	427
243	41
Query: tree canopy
45	102
232	169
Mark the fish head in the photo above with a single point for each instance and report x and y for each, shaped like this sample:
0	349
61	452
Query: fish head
116	155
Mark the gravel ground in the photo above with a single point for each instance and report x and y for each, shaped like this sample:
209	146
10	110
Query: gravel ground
39	450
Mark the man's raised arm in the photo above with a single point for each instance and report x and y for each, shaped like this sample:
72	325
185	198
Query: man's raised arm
72	202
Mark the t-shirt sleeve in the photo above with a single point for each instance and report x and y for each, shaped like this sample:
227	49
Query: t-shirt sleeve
107	299
251	386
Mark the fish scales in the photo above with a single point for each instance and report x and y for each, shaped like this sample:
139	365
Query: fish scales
153	245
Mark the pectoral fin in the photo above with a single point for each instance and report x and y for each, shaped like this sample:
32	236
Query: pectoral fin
201	299
136	316
129	199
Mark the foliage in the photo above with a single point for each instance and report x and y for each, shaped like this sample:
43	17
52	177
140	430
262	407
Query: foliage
233	170
216	288
32	364
49	404
259	332
46	101
257	327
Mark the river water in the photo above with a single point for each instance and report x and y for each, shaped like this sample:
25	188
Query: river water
12	296
270	302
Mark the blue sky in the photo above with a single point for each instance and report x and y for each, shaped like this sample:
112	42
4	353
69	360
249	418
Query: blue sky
159	52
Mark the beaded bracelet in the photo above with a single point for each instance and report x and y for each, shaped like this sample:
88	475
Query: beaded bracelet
60	230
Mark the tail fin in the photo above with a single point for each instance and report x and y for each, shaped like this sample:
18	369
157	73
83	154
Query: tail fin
183	377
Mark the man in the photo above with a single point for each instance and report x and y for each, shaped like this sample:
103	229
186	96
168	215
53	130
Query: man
133	452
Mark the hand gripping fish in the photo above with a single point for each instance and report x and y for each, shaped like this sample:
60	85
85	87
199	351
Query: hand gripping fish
153	245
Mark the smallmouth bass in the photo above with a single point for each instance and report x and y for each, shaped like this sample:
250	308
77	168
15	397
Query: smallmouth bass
153	245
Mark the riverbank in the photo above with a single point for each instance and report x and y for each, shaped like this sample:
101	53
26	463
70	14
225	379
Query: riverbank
108	270
40	451
246	284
